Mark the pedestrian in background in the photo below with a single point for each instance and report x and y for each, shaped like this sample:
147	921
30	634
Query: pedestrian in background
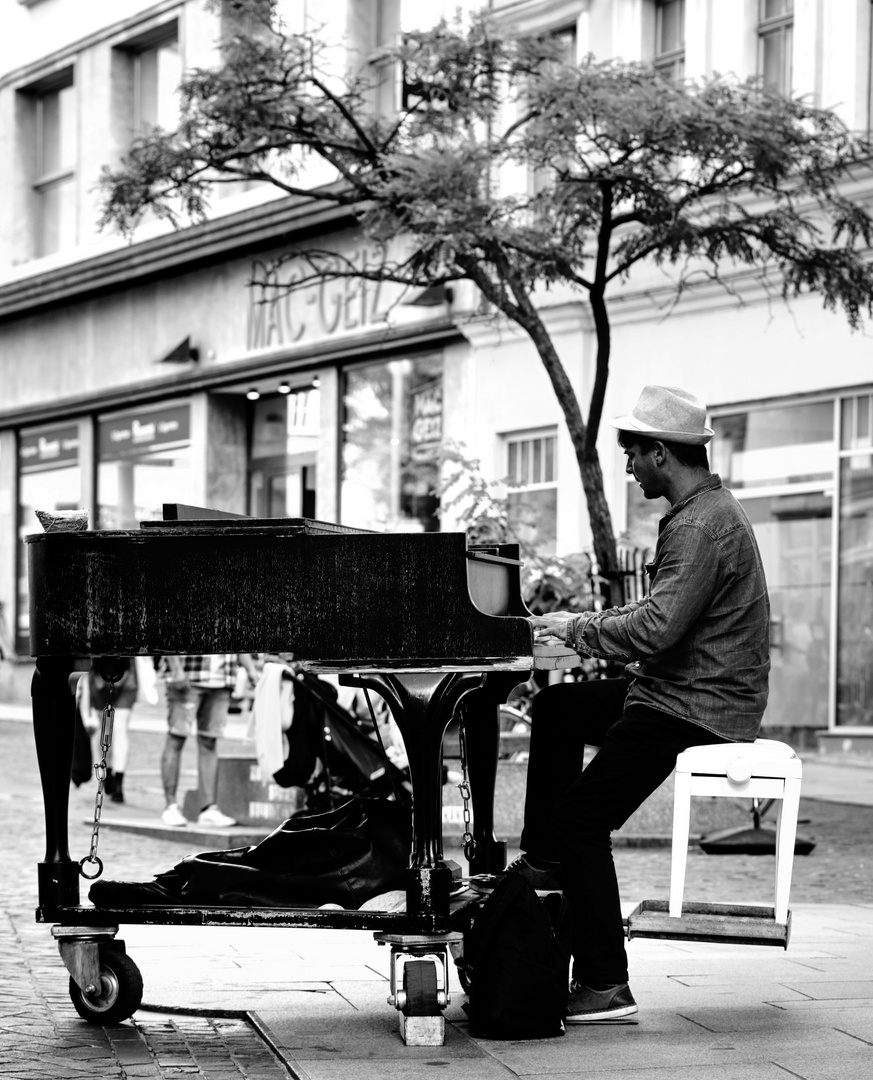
93	694
198	692
122	696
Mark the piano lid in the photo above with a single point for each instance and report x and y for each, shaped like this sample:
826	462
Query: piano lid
344	599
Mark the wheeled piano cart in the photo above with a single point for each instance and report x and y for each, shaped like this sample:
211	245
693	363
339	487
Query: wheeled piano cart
200	583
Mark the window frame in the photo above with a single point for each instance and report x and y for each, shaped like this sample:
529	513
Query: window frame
42	179
132	50
531	436
769	28
669	62
568	35
517	490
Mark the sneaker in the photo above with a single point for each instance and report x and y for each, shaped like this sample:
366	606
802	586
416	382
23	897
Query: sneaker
543	878
214	817
586	1006
174	816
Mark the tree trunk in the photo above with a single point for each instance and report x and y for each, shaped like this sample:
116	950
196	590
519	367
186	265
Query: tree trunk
587	458
600	518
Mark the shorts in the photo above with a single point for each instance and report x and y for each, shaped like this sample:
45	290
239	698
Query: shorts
207	707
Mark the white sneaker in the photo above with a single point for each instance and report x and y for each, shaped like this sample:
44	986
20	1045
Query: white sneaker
174	816
213	816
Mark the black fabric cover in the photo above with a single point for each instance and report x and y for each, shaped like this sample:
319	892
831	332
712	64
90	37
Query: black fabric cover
344	856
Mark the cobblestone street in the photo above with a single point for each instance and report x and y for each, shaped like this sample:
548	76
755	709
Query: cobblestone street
42	1036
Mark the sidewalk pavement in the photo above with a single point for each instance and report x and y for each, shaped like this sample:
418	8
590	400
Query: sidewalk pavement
224	1002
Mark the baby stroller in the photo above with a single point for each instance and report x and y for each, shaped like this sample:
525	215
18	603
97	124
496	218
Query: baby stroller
334	754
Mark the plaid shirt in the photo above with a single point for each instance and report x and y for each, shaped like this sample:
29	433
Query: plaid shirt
210	672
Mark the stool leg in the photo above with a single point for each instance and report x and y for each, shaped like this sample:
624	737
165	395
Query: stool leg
681	828
786	835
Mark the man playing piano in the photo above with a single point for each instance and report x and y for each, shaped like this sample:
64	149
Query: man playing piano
697	656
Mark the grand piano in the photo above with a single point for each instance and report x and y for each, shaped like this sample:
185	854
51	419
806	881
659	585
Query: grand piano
432	625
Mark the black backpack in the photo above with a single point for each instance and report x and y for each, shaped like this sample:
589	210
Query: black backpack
516	963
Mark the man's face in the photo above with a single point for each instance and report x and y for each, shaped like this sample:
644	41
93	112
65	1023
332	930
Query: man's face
644	470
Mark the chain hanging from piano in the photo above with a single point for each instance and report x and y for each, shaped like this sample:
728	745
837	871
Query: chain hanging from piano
100	770
464	789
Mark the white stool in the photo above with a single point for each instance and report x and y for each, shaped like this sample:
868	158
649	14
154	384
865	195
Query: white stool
765	769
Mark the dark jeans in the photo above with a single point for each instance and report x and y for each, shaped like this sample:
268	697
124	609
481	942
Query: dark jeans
569	814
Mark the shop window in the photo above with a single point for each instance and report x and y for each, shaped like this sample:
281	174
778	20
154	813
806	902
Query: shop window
50	119
392	433
143	461
49	478
532	481
855	597
794	534
775	42
854	706
670	39
779	461
780	445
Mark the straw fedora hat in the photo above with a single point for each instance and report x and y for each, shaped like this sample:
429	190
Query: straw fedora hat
668	413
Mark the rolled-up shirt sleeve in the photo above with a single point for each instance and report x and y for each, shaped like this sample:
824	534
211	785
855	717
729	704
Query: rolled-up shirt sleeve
686	579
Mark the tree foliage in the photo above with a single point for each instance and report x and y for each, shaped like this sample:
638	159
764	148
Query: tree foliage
706	179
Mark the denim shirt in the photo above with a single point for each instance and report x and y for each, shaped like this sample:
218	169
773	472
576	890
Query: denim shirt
700	640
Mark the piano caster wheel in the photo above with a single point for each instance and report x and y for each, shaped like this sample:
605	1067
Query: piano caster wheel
420	984
421	1003
117	993
419	996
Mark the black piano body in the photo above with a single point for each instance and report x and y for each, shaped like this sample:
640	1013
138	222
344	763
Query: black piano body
419	618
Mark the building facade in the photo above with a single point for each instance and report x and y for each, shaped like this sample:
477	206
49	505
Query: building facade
138	373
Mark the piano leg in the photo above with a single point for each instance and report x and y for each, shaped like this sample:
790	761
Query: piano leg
422	704
479	712
54	711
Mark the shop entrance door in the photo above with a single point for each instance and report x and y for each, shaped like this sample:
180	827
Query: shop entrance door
283	489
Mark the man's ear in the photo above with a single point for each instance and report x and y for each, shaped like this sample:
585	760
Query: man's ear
659	452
